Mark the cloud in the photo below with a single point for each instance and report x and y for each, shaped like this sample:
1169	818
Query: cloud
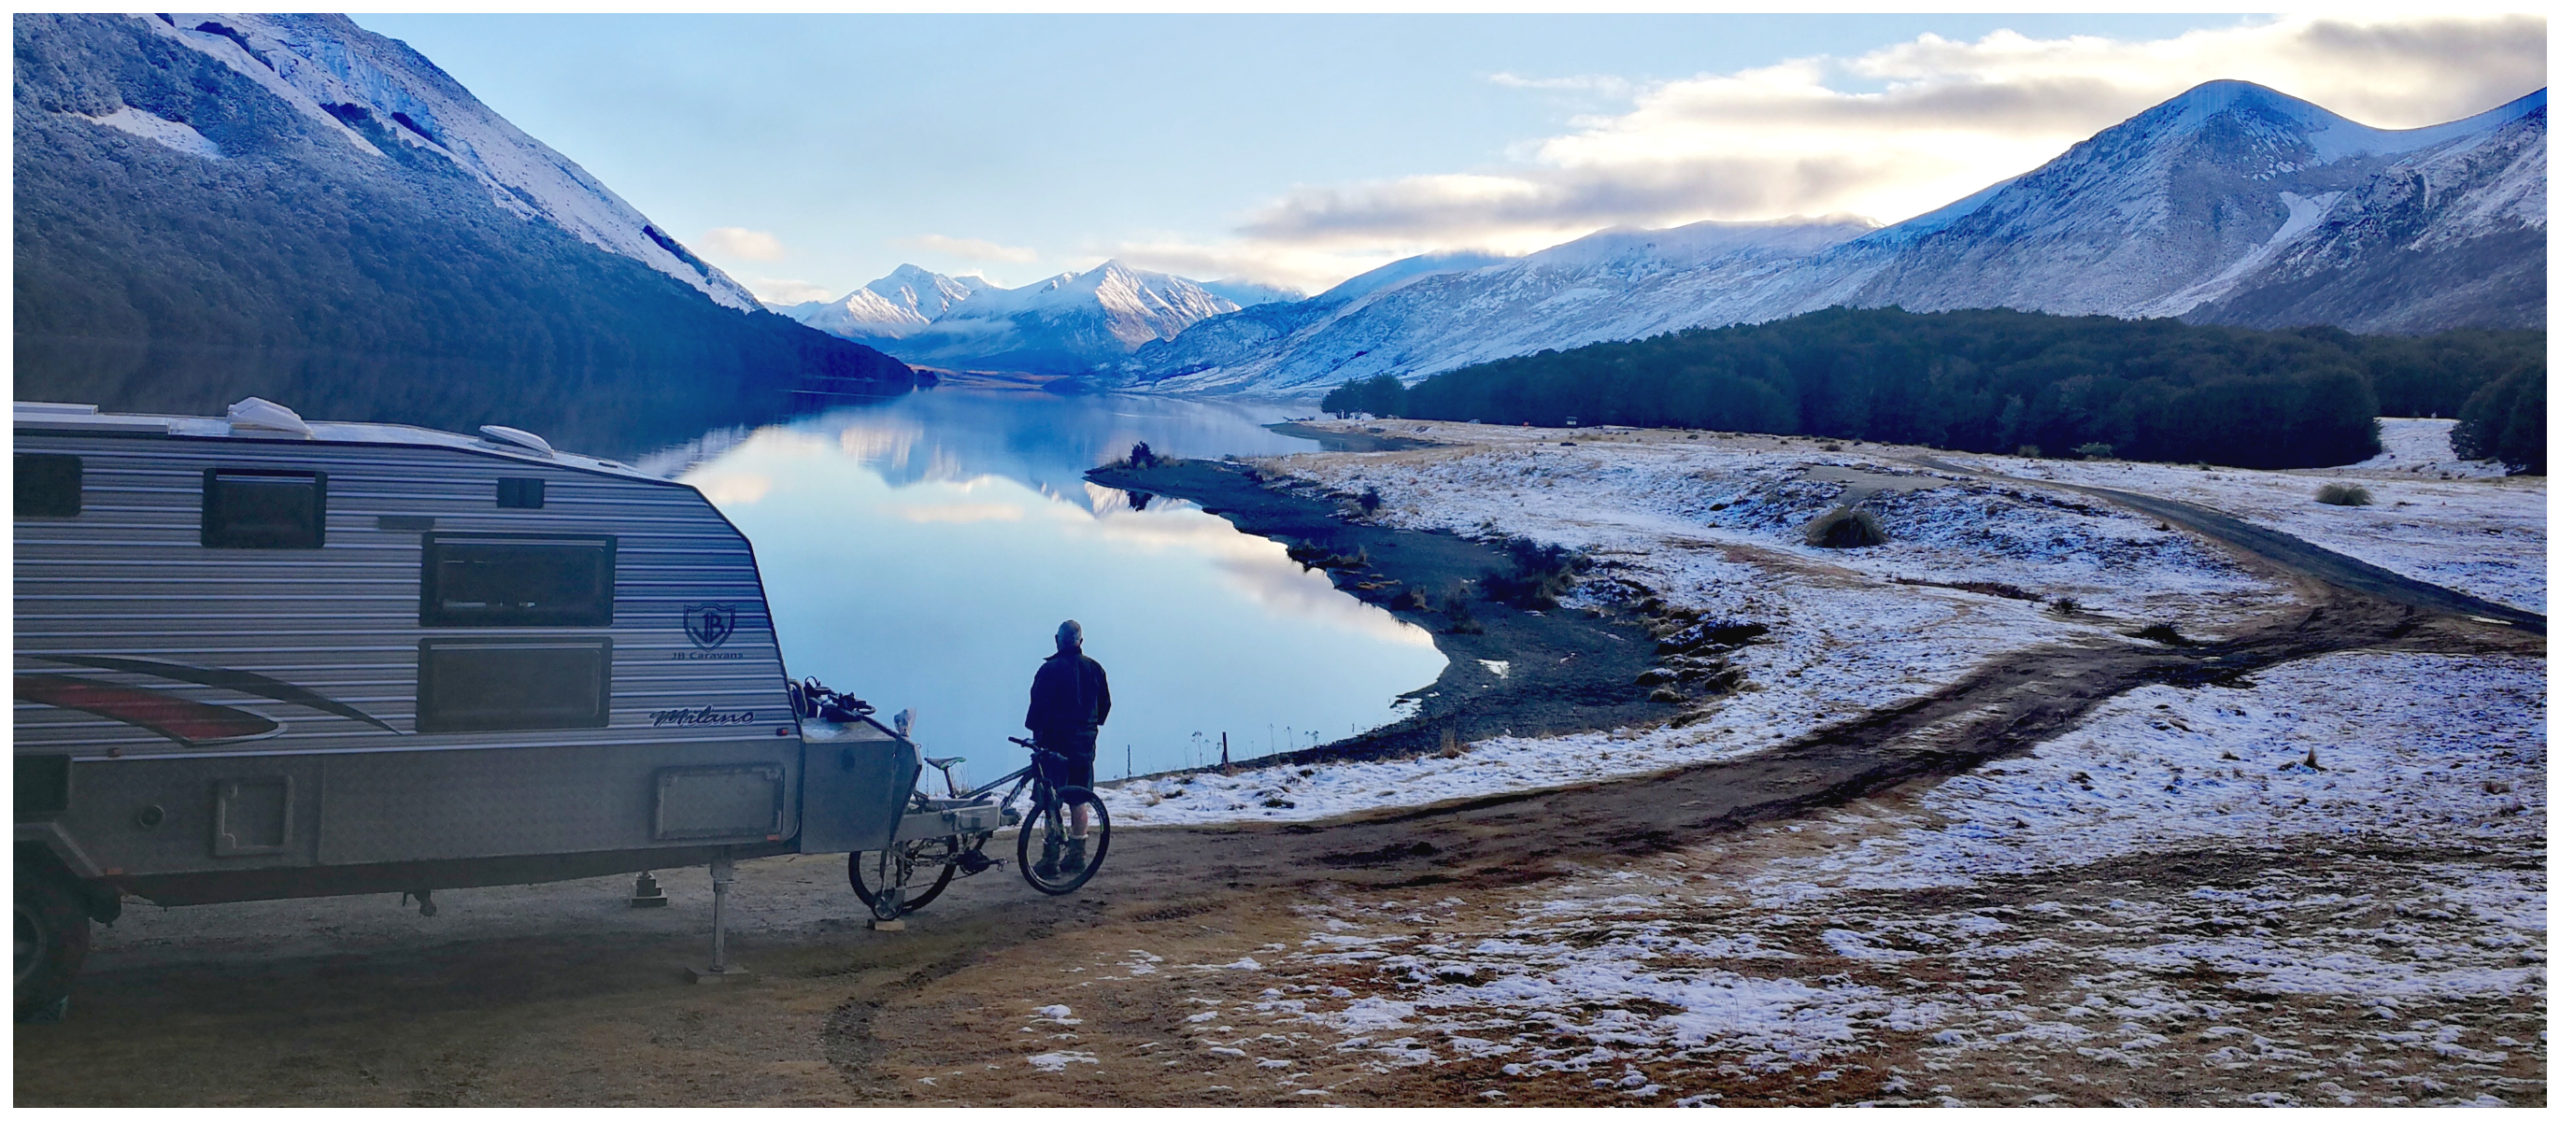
1304	267
969	248
774	290
1605	85
741	244
1888	134
959	512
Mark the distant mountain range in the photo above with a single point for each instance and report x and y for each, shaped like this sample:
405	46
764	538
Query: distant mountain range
1068	324
2231	203
213	206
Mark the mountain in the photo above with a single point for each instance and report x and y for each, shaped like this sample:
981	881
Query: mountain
2456	238
1426	314
892	307
2230	203
294	207
2158	214
1071	323
1245	293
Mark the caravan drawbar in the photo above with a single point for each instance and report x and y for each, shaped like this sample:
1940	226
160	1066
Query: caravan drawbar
259	657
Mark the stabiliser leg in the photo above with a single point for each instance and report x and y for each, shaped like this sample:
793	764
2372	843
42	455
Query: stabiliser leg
724	872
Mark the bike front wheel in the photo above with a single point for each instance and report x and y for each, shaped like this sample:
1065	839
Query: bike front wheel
883	878
1044	847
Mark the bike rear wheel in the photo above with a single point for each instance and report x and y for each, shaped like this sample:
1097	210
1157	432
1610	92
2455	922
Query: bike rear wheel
1048	825
874	874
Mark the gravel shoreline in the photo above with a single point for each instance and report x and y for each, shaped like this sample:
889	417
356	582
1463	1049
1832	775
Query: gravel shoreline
1562	669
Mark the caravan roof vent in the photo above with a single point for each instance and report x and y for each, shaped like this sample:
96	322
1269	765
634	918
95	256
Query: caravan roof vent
264	415
501	434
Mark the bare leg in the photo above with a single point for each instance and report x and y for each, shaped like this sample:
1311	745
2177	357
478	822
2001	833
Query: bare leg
1081	815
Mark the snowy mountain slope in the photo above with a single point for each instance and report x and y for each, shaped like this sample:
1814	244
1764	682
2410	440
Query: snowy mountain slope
1245	293
186	235
897	305
1235	339
2137	219
1611	285
2458	238
2231	201
1068	324
373	90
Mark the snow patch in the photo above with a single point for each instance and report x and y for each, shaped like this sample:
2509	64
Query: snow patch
177	136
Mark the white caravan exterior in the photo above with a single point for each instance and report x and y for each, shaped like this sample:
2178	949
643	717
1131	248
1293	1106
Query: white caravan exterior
258	657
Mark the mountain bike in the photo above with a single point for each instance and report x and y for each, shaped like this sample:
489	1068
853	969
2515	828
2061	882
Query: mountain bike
945	838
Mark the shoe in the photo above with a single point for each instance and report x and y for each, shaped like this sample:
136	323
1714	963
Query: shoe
1047	869
1074	862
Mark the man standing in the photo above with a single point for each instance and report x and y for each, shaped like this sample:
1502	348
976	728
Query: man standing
1070	698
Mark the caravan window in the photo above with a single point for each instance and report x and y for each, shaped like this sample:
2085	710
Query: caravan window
248	509
519	494
495	580
48	485
511	684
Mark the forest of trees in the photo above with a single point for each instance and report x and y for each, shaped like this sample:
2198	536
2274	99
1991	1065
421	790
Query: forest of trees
1999	381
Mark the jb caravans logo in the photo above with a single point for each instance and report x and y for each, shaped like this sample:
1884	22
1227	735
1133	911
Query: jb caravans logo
709	625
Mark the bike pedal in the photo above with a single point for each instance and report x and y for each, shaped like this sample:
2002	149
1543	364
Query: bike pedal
972	863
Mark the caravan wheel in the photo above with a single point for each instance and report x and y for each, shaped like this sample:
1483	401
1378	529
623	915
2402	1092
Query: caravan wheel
53	938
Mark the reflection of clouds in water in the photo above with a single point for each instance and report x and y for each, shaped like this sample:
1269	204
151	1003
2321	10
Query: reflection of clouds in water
1259	568
742	488
884	445
979	514
959	512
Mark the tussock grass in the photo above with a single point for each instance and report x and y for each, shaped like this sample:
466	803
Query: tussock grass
1845	528
2343	494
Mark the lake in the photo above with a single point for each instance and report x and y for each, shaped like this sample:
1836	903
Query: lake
919	553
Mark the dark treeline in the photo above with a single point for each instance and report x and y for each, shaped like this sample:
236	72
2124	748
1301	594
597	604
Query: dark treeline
1999	381
2505	421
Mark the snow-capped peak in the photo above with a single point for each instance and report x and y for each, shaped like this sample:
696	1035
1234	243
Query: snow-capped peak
371	91
2331	136
924	292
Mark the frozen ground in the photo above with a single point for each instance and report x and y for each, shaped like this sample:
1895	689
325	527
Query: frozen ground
2464	525
1974	569
2327	888
2322	886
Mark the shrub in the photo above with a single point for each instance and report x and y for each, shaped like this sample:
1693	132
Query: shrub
1141	455
2165	633
1369	501
2344	494
1461	618
1540	574
1845	528
2095	451
2030	451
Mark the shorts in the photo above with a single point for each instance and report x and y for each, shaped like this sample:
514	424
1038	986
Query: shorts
1073	770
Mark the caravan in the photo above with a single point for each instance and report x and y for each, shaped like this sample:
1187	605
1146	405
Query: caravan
259	657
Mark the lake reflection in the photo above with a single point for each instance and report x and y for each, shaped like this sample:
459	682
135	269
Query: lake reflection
919	553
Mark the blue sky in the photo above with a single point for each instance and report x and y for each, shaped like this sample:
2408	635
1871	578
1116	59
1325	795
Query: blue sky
807	154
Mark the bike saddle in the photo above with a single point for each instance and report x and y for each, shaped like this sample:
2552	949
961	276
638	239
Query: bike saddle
946	762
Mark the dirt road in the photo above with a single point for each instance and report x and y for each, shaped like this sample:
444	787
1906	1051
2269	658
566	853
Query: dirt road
560	994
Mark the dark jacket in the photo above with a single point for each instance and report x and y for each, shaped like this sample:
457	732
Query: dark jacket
1070	698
